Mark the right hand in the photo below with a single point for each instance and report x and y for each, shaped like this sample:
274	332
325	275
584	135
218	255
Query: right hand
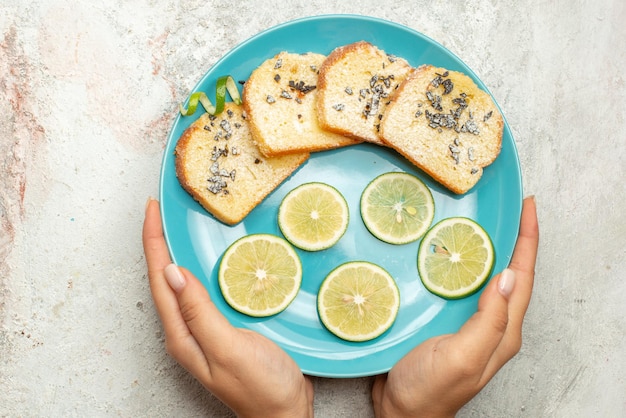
442	374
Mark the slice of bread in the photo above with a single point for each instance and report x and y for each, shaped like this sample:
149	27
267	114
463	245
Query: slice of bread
279	99
219	165
355	82
445	124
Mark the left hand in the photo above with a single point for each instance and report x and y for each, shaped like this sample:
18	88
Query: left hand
245	370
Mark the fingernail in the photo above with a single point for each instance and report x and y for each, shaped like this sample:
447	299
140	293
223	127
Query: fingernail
506	282
150	199
174	277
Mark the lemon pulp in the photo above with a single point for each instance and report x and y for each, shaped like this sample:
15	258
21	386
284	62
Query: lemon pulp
397	207
260	275
358	301
313	216
455	258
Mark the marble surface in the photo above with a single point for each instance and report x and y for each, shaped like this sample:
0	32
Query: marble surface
87	95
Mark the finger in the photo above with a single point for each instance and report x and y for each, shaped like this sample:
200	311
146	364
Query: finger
157	255
157	258
478	338
523	263
212	331
179	341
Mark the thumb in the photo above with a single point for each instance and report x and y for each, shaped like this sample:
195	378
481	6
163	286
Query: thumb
205	322
482	333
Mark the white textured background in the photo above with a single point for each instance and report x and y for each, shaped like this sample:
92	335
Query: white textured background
87	96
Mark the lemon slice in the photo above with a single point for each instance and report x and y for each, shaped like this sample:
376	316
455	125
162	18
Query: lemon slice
455	258
313	216
260	275
358	301
397	207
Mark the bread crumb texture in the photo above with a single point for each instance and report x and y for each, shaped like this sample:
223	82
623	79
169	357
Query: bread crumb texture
220	166
355	85
445	124
279	98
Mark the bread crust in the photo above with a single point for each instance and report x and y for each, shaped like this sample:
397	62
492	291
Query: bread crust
227	174
443	123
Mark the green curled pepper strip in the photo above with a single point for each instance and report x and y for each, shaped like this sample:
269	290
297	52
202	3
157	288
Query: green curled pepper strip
224	84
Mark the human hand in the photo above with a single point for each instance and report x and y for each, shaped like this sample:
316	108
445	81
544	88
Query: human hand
245	370
442	374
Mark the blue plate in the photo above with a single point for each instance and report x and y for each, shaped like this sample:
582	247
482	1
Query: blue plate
196	240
